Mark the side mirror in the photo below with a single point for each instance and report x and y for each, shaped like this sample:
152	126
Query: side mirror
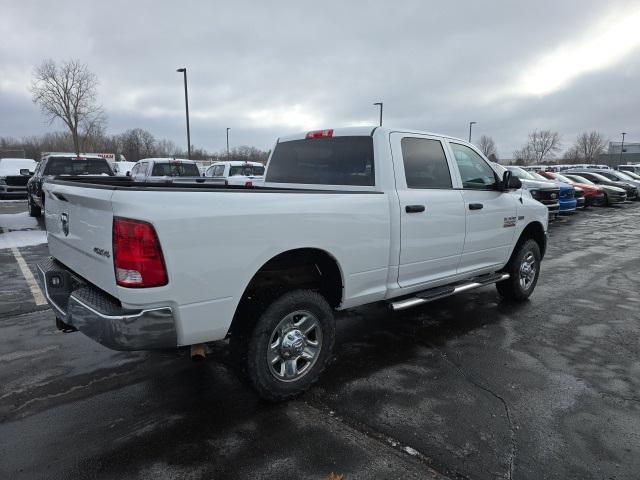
514	182
128	174
510	181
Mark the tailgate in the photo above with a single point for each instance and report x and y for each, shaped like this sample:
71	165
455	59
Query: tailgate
79	228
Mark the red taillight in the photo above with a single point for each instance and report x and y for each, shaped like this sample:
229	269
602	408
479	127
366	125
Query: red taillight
248	184
320	133
137	256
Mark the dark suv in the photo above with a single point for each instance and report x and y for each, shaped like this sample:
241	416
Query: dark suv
61	164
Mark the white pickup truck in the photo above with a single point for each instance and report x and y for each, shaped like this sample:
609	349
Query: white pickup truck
346	217
248	174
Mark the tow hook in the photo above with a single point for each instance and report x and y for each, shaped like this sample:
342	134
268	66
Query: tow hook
65	327
197	352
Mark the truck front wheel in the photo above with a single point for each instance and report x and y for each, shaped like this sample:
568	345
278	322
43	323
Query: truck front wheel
289	346
524	269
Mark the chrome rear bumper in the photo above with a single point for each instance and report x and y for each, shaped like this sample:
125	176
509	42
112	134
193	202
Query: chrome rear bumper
100	316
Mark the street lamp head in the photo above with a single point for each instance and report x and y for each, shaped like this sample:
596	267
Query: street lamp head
181	70
472	123
378	103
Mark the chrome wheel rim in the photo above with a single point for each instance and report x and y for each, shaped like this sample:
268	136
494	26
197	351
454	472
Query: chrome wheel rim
528	271
294	346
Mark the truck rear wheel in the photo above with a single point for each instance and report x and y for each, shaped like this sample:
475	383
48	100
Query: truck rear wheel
288	347
524	269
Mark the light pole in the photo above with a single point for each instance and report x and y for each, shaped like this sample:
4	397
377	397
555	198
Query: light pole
186	104
380	104
622	146
471	124
228	143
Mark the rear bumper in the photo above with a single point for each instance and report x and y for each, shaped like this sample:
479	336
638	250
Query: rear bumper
100	316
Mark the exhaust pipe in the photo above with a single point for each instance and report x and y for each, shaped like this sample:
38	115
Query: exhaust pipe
197	352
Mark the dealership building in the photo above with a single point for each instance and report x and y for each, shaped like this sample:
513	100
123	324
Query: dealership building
629	148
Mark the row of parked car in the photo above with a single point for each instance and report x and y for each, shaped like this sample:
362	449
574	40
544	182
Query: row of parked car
21	177
577	187
164	169
562	192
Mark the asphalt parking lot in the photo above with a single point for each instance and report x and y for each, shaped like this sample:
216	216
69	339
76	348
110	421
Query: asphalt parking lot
466	387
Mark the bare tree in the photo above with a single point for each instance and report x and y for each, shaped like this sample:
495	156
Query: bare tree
488	146
136	144
572	155
69	92
589	146
542	145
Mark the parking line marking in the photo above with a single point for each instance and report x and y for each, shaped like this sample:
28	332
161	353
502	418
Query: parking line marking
38	297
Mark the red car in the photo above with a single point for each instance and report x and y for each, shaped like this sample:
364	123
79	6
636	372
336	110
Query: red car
593	195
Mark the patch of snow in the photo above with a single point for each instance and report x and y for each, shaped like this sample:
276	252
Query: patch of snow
13	200
17	221
22	238
410	451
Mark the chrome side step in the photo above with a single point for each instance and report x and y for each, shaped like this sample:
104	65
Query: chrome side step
442	292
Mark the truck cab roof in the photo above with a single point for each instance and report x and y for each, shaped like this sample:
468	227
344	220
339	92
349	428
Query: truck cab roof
364	131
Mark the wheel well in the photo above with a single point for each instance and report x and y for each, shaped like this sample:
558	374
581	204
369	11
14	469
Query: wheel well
307	268
534	231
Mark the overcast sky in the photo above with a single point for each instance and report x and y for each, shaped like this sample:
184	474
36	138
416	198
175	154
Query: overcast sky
270	68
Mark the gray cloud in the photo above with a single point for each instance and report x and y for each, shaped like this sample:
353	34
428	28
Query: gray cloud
269	68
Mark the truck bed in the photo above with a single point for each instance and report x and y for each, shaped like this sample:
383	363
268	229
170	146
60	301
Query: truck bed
124	183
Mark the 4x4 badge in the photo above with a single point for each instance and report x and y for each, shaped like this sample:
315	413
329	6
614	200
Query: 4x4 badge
64	219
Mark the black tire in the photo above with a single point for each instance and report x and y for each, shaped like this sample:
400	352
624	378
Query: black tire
252	346
34	210
522	281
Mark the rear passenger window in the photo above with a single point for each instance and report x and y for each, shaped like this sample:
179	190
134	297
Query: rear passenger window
425	164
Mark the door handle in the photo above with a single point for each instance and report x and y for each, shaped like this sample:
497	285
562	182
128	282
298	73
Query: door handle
414	208
475	206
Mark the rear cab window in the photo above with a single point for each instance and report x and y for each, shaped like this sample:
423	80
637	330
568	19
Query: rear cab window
175	169
77	166
246	170
342	160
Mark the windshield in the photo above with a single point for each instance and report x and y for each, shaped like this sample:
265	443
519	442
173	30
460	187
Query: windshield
246	170
323	161
83	166
564	179
601	177
537	176
623	175
522	174
175	169
580	179
633	175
